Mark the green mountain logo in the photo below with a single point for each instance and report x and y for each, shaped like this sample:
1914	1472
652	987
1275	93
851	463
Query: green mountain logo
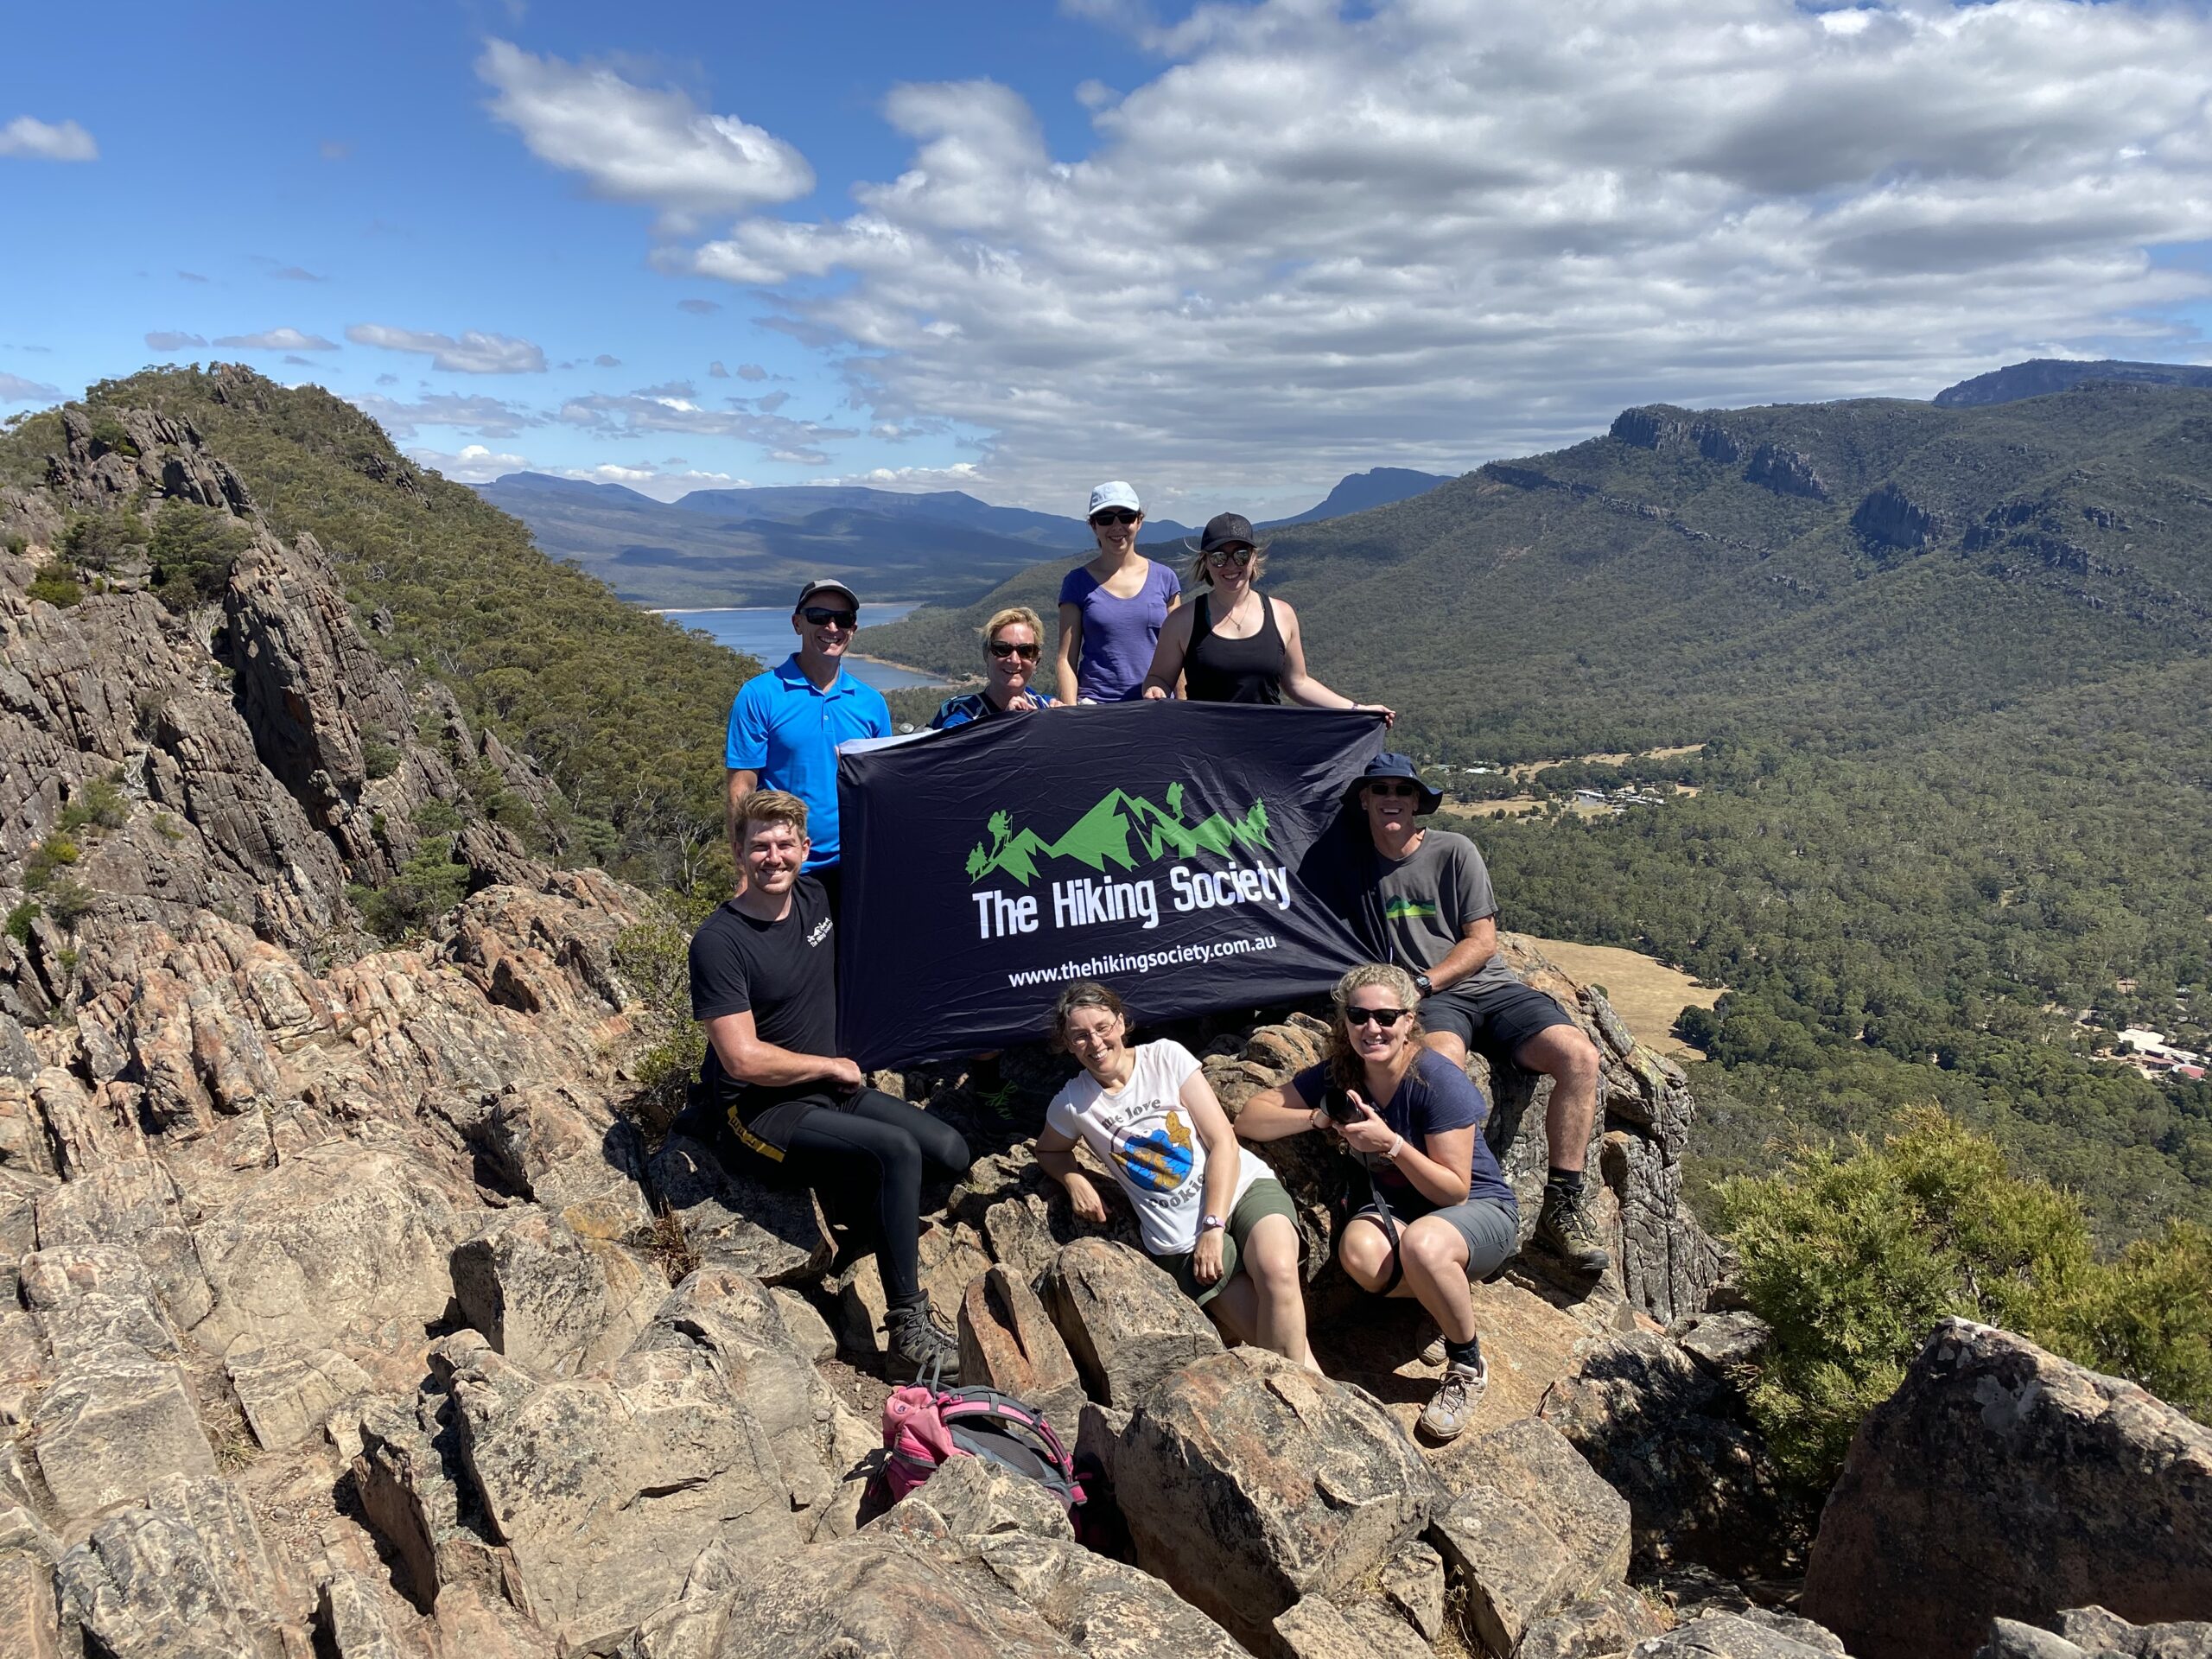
1104	836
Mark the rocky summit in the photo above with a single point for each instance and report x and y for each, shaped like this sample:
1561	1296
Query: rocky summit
360	1303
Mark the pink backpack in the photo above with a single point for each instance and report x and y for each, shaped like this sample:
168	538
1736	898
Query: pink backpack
924	1425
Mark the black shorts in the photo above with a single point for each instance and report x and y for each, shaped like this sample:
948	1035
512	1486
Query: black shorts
1495	1022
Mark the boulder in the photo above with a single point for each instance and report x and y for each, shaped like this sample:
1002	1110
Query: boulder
1531	1530
1741	1635
1660	1422
969	1498
569	1153
286	1390
605	1487
89	1298
115	1419
551	1299
1008	1343
350	1621
768	1234
411	1498
1318	1629
27	1612
1249	1483
2002	1481
1413	1581
186	1574
1100	1606
2098	1631
134	1202
1611	1622
337	1241
1125	1322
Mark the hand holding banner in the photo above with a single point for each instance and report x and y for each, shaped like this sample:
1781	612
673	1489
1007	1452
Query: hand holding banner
1170	850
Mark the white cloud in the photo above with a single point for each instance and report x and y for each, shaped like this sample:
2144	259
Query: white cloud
670	409
635	143
29	136
13	389
474	464
473	353
485	417
1428	231
275	339
170	340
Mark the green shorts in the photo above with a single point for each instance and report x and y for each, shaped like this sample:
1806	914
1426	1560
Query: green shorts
1262	1198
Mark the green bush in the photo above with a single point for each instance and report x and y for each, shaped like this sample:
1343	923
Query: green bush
429	884
108	433
100	805
1853	1257
100	541
379	758
18	924
48	859
69	901
57	587
192	548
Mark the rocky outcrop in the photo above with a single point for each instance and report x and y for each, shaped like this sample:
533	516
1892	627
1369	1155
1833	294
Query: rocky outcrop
1786	472
1124	1320
2086	1632
1888	518
2002	1481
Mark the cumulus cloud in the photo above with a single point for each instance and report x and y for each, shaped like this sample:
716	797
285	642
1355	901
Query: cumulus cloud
13	389
1428	231
473	353
484	418
40	141
658	409
474	464
276	340
607	360
716	371
636	144
168	340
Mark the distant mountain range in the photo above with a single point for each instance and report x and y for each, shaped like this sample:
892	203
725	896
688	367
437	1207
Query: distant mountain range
2041	376
755	546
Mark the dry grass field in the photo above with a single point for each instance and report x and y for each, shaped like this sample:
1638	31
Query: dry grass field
1646	993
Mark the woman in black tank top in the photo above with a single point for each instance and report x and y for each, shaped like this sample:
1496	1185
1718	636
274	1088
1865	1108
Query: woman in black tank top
1237	644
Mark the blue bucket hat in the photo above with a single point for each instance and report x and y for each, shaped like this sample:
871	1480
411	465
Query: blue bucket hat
1390	764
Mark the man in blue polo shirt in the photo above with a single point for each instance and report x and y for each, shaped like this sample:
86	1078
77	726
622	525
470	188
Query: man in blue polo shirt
786	724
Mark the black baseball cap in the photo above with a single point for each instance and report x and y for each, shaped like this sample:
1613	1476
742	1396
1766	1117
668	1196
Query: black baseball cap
824	584
1392	764
1225	530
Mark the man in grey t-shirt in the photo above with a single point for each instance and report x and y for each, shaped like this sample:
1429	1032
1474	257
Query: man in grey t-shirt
1429	905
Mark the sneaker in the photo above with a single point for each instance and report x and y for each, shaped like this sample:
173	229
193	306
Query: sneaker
1434	1354
1568	1229
921	1343
1452	1405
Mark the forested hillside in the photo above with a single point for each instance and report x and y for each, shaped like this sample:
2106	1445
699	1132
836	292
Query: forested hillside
1950	668
622	709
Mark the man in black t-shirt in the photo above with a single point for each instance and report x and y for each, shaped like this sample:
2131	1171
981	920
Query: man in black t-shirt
764	985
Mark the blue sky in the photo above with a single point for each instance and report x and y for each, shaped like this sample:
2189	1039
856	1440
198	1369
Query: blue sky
1230	253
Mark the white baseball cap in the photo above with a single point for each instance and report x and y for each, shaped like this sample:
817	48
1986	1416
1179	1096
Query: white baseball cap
1114	493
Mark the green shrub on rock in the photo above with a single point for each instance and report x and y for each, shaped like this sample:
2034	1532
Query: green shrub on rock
1854	1255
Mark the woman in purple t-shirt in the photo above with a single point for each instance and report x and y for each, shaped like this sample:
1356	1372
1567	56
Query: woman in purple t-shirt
1111	609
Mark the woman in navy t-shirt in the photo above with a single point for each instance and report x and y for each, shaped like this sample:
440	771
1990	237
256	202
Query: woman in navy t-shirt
1111	609
1440	1212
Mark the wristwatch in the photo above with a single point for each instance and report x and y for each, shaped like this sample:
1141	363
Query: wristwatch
1421	984
1207	1224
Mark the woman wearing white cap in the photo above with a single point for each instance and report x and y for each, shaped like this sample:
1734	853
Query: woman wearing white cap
1111	609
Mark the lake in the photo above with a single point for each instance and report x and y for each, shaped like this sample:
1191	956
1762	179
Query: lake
765	631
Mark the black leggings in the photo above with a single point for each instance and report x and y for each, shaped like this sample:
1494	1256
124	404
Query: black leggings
873	1150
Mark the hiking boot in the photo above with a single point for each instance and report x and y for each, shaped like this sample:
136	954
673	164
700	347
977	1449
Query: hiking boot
1452	1405
1568	1229
1434	1354
921	1342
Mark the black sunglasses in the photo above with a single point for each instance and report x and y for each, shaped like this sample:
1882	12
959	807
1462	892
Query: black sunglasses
1385	1018
1231	555
821	616
1001	648
1116	516
1395	791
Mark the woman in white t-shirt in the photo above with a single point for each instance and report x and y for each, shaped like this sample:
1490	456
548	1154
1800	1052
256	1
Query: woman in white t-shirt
1210	1212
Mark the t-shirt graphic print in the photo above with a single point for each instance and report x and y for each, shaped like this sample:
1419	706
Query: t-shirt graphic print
1142	1133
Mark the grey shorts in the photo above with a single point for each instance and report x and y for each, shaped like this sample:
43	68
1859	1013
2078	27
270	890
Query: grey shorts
1495	1022
1491	1227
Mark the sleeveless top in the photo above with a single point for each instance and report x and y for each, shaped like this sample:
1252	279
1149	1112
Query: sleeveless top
1220	669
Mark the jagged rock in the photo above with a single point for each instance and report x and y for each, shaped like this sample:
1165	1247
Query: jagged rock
1008	1343
1611	1622
28	1553
133	1201
411	1498
1126	1324
605	1487
2001	1479
767	1233
550	1300
1317	1629
1785	472
286	1390
2009	1639
340	1239
91	1298
1531	1530
186	1574
24	1365
1413	1582
968	1498
571	1155
1261	1484
1740	1635
810	1333
1889	518
350	1621
1662	1425
2096	1630
1101	1607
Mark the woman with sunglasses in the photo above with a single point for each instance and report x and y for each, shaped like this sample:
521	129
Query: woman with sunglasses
1111	609
1237	644
1210	1212
1013	641
1439	1213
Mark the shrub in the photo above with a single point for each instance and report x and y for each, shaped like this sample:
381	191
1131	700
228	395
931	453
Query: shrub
48	859
428	885
69	901
379	758
99	541
1853	1258
100	805
192	548
57	587
108	433
18	924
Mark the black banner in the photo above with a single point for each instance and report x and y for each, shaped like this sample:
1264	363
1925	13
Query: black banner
1166	849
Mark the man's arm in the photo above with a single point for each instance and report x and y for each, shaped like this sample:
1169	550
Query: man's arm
746	1058
1478	944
